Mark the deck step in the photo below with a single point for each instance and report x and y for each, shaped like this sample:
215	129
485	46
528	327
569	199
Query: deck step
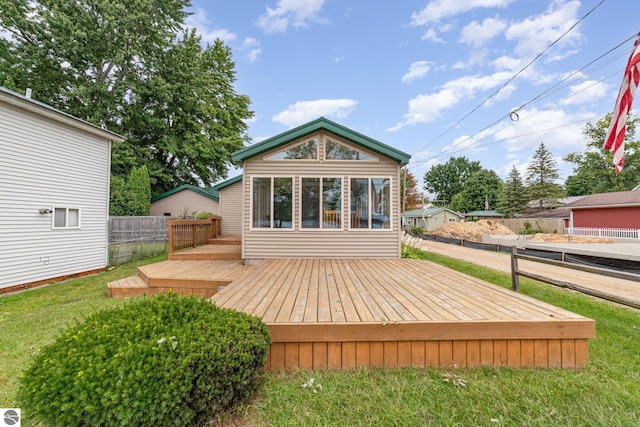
135	286
208	252
227	240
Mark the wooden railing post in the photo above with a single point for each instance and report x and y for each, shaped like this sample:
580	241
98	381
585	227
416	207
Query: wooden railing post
170	237
515	279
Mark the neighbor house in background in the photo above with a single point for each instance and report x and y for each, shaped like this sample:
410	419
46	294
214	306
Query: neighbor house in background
184	201
320	190
430	218
54	193
620	209
477	215
231	203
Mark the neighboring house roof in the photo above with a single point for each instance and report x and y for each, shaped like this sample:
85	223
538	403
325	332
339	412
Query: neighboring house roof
219	186
551	213
608	200
428	212
546	204
48	111
207	192
314	126
484	214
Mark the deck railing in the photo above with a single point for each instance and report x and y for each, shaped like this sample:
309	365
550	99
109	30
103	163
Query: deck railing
613	233
189	233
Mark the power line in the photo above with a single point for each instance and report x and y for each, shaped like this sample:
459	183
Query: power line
512	78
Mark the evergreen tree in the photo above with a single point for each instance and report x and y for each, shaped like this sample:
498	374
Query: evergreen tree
512	199
542	172
139	190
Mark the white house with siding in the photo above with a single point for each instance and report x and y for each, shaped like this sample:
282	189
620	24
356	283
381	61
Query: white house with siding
230	205
320	190
54	193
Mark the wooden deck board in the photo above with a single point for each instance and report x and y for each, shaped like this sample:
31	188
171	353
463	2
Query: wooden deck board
348	313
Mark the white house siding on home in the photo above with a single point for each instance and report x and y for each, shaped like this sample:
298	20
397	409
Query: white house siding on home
47	164
360	243
184	201
231	204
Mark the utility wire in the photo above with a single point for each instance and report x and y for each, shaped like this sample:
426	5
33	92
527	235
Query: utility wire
512	78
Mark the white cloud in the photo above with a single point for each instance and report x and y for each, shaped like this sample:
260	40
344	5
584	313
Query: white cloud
586	92
478	34
252	48
431	34
417	70
535	33
290	12
305	111
438	9
427	108
201	23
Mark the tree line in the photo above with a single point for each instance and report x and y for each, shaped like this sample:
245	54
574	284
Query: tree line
463	185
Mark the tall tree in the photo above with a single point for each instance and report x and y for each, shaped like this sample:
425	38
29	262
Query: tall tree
447	179
593	169
542	173
128	66
482	186
139	189
409	189
512	198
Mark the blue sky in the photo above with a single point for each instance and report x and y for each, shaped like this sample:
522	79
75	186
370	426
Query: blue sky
432	78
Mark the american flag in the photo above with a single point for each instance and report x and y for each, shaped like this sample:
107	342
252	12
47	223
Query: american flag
614	140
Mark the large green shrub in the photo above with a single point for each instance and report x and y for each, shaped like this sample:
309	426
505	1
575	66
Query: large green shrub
158	361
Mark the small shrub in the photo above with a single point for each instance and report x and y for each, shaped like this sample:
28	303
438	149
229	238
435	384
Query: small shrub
160	361
415	230
528	229
203	215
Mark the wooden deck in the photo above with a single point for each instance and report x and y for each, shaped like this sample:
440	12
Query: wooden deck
345	314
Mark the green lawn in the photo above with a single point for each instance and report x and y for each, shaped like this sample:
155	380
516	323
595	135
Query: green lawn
606	393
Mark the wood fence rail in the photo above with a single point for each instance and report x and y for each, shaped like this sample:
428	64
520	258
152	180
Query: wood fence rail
516	272
189	233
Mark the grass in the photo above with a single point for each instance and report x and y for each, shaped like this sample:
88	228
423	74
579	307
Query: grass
606	393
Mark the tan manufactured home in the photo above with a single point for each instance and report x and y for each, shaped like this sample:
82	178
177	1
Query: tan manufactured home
321	190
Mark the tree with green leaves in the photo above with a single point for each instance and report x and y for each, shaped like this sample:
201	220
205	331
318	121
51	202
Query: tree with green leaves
512	199
131	67
131	196
483	185
593	169
542	174
445	180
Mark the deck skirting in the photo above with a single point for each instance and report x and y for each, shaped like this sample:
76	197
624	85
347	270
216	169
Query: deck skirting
345	355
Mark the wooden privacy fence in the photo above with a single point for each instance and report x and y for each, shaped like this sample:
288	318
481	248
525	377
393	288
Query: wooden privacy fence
189	233
516	272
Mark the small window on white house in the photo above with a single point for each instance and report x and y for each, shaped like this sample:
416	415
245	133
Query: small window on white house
66	218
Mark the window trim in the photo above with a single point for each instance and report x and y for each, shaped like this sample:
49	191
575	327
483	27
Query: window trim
321	228
293	201
370	204
315	159
66	218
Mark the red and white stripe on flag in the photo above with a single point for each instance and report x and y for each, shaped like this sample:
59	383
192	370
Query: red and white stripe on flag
614	141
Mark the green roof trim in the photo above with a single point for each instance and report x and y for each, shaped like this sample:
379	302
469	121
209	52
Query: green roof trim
219	186
314	126
417	213
209	192
484	214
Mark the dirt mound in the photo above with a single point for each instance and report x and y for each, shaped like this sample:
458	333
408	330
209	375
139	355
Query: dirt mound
562	238
472	231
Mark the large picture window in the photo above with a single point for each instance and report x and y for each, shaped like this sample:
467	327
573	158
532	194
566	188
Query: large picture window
321	203
370	203
272	203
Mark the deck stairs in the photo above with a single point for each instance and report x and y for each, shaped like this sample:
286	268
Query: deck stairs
199	271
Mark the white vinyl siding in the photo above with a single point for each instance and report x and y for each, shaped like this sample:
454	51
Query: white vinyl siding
47	165
231	205
328	243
